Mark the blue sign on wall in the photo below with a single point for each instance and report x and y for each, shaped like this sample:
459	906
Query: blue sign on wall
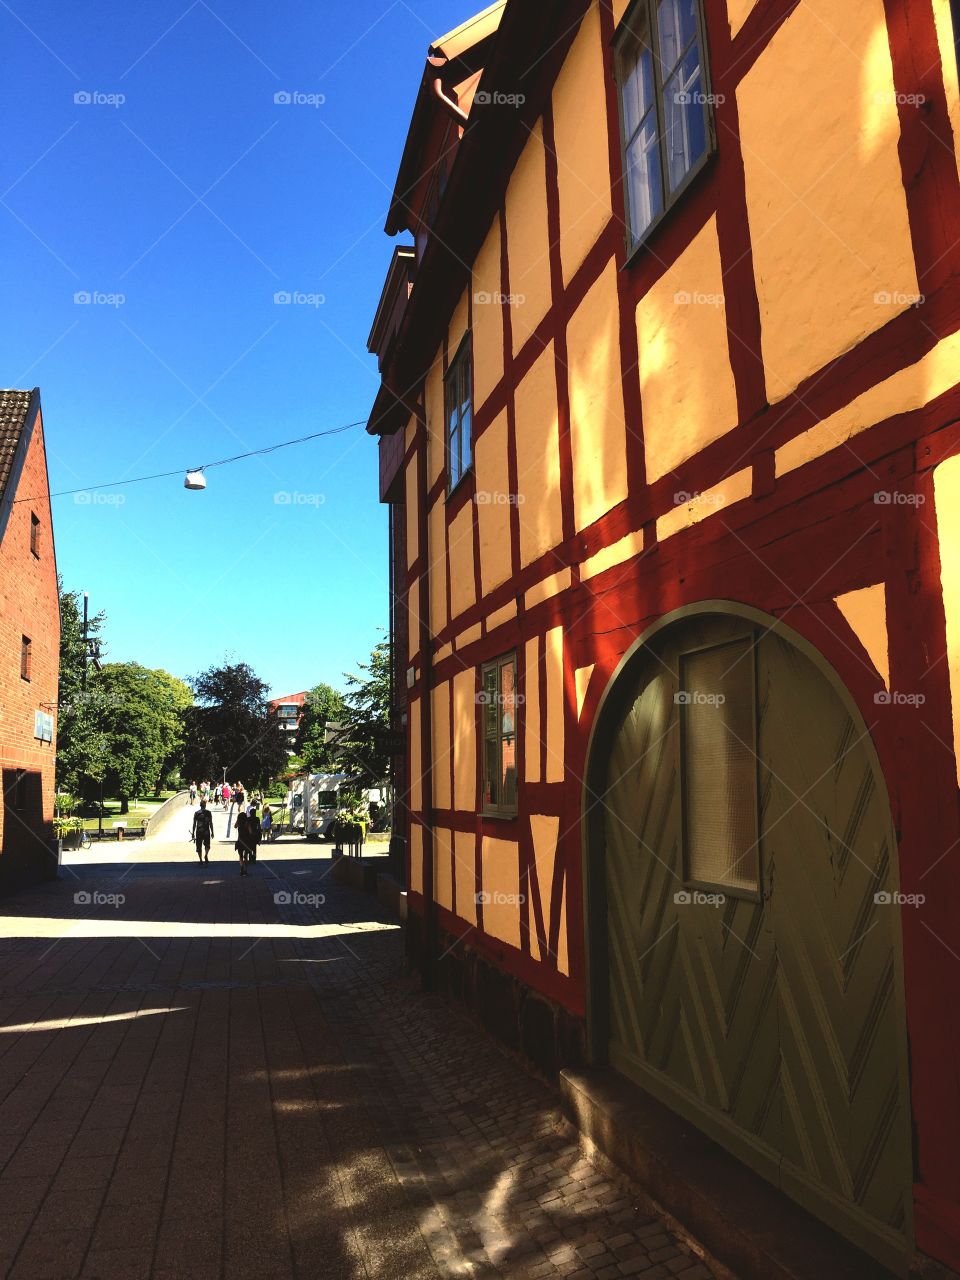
43	726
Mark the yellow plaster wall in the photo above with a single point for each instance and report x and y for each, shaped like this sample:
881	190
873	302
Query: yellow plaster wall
946	484
538	459
416	764
705	503
686	382
416	857
458	325
548	587
618	552
463	583
433	399
464	850
620	7
413	619
827	210
493	516
910	388
582	678
500	860
544	829
469	635
555	703
598	431
528	239
412	498
531	709
437	538
488	320
738	12
580	136
409	433
465	741
866	612
504	614
440	744
443	867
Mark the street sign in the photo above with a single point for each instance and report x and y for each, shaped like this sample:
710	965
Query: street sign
43	726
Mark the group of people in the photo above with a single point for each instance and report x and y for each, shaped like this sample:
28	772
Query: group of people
250	827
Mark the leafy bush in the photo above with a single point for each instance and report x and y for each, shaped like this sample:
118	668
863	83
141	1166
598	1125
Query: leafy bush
65	826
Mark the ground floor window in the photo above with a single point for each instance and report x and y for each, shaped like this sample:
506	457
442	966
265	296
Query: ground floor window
498	697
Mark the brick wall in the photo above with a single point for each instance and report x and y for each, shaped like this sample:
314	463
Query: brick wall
29	606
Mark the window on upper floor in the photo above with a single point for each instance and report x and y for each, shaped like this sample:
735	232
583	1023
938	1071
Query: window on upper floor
458	415
498	697
35	534
26	657
666	120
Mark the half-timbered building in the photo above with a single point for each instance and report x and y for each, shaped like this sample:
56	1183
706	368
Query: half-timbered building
669	427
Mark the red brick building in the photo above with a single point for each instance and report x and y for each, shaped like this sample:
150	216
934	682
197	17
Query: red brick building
288	711
29	640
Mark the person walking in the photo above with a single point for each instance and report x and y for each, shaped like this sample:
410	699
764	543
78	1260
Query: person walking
227	793
248	837
266	823
193	793
238	796
218	794
203	831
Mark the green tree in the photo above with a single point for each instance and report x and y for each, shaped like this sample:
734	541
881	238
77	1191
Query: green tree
365	742
231	727
80	743
323	705
140	714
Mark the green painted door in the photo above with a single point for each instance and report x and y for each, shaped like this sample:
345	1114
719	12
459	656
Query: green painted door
753	974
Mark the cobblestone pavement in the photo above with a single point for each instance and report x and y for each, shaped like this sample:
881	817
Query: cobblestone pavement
200	1078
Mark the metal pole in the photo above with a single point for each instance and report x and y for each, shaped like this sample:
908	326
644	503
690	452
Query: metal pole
86	605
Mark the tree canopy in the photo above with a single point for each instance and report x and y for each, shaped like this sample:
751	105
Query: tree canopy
231	727
139	712
323	705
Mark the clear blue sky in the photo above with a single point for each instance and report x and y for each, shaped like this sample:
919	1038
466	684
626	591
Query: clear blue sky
197	199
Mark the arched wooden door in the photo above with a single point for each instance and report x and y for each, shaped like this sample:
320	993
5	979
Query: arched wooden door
749	957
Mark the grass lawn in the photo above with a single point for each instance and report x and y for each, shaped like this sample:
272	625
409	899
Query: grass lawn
139	811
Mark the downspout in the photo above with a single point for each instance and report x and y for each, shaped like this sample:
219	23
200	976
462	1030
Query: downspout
446	102
430	941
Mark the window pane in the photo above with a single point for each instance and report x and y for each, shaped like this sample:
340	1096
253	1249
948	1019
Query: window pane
508	725
636	87
684	120
718	710
466	448
491	712
491	772
677	23
642	177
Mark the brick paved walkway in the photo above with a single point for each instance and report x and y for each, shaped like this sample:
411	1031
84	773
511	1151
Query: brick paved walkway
201	1081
